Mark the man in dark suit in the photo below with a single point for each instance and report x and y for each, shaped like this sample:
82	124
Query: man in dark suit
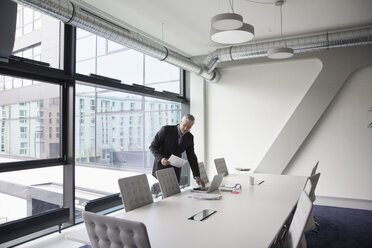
175	140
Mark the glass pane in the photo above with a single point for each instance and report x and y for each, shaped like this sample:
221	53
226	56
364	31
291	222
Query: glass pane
28	15
38	30
30	192
113	133
113	46
84	48
23	123
80	33
125	65
101	56
161	75
158	113
86	66
101	46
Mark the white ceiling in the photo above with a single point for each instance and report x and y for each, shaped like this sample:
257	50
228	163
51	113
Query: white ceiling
186	23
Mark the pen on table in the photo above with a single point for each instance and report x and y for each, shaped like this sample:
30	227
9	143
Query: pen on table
261	182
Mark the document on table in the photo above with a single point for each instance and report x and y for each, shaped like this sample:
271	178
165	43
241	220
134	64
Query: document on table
177	161
205	196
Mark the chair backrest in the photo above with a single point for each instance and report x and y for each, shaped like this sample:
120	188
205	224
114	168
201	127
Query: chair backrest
106	231
313	171
221	166
135	191
203	173
168	182
310	186
300	217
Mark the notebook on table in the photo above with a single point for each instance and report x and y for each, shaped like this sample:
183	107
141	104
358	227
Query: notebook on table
215	184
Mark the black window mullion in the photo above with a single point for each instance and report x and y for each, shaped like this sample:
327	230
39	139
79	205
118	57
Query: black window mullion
68	121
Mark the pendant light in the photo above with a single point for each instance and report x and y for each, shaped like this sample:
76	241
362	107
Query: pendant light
229	28
227	21
280	52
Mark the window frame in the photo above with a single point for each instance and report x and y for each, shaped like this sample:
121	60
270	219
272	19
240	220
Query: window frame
66	79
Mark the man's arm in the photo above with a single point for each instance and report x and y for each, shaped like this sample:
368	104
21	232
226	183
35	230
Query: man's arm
193	160
156	145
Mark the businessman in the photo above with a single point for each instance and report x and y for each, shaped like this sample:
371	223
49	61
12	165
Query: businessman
175	140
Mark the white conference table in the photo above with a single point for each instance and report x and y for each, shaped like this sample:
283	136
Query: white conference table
251	218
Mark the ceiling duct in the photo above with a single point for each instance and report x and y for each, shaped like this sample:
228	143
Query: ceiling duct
78	16
327	40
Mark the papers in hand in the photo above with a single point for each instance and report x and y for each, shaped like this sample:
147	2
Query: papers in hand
205	196
177	161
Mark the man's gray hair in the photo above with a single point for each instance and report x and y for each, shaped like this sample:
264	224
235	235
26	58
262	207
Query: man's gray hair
188	117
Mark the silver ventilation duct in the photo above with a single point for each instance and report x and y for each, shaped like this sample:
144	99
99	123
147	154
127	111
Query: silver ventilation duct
80	17
302	44
72	13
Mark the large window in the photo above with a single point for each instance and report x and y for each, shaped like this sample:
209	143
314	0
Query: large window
103	57
113	131
28	114
46	111
31	155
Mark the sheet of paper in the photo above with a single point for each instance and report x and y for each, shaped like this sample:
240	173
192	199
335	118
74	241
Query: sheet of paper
177	161
205	196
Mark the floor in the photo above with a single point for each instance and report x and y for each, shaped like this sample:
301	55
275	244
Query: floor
55	240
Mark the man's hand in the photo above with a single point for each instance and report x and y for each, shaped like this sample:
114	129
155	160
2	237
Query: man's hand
200	182
164	162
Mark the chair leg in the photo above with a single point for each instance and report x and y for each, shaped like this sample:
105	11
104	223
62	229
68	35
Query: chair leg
316	229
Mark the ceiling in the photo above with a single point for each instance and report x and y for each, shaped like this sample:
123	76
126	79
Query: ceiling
185	24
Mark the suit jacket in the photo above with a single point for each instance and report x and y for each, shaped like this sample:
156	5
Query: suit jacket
165	144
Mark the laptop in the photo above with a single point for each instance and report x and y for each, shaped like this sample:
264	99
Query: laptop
215	184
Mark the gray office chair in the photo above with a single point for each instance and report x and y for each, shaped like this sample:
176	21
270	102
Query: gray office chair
168	182
135	192
293	237
221	166
106	231
203	173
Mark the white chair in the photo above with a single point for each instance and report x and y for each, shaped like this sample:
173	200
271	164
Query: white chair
294	237
135	192
168	182
106	231
296	230
221	166
310	187
203	172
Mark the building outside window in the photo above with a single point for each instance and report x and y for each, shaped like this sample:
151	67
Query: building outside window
125	123
28	21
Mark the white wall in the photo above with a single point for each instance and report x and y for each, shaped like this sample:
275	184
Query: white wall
342	143
197	106
247	108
